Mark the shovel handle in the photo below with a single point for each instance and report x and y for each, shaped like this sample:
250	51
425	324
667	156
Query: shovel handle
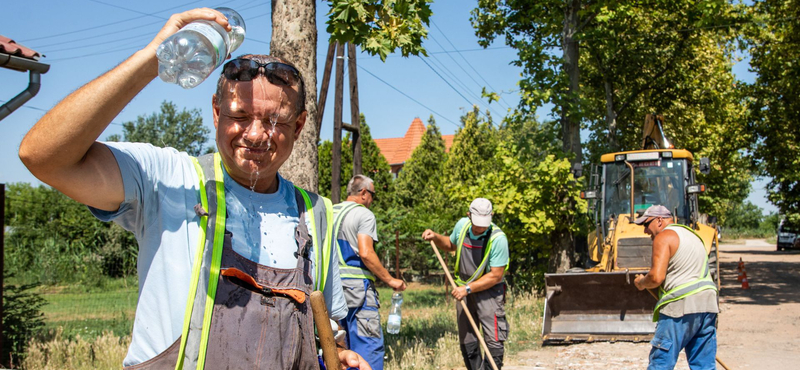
464	307
329	353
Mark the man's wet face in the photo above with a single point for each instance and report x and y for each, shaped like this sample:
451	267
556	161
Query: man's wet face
257	123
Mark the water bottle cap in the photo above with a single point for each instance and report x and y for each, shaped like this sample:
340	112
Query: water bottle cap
397	295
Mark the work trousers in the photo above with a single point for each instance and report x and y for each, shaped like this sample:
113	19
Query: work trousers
695	332
488	310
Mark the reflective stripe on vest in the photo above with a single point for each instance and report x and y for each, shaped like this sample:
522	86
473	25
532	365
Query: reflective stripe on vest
346	271
479	271
704	282
205	272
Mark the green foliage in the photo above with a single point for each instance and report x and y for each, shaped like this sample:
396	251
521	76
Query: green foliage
182	130
373	164
22	320
472	152
744	216
381	26
52	239
774	46
531	188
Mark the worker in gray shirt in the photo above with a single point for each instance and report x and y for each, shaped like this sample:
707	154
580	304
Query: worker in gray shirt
356	231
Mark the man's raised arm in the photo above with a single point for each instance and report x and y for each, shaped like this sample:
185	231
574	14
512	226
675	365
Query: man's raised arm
61	149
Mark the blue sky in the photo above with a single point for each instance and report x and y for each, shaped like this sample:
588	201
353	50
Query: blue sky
84	38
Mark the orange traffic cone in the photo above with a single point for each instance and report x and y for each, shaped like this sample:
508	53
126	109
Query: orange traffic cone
745	284
742	272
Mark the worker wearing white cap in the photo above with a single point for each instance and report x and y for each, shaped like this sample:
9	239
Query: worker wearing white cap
687	307
481	260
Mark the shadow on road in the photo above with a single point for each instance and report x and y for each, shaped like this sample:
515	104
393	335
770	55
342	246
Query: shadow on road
766	253
771	283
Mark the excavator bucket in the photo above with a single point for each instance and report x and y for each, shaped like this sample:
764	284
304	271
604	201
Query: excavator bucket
596	306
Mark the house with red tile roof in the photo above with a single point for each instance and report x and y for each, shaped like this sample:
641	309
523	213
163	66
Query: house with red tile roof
398	150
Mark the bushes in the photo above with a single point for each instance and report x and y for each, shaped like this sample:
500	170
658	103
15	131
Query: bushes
22	320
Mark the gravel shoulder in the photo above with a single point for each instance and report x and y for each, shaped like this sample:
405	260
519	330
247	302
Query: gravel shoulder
759	328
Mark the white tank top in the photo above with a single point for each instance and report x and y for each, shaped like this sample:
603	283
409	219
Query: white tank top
686	266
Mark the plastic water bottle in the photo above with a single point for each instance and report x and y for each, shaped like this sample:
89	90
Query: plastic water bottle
189	56
393	323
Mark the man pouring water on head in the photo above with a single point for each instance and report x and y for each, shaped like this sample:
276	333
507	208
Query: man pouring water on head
229	250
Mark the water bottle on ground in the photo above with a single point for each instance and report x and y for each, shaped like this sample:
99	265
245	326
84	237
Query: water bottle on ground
393	323
189	56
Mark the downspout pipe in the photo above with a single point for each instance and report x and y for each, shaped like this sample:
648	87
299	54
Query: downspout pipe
34	68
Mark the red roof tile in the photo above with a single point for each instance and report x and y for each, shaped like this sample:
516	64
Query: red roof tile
398	150
8	46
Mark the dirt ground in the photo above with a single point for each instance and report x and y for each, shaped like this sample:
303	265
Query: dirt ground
759	328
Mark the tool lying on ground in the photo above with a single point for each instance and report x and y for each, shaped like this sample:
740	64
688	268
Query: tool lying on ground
464	307
329	353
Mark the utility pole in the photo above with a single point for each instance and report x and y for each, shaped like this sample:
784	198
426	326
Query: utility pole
354	126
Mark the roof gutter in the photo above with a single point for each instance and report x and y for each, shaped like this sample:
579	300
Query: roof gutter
34	68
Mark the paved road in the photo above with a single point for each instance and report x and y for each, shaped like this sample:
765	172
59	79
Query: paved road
759	328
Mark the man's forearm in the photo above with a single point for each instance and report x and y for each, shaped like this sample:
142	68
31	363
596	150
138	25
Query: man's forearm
443	242
485	282
649	282
64	135
376	267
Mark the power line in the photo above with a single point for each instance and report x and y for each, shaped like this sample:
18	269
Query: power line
446	71
463	85
45	110
456	62
104	25
508	106
448	84
409	97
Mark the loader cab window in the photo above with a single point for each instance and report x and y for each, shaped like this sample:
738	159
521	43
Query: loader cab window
655	182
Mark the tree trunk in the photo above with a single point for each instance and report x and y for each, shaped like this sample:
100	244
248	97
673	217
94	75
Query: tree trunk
294	38
561	259
562	256
570	117
611	116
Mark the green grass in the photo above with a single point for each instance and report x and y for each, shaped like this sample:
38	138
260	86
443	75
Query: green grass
89	328
89	311
428	337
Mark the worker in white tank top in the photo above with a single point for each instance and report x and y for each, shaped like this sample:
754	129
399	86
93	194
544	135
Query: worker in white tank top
687	308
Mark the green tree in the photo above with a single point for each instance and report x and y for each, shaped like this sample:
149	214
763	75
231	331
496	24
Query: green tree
606	64
529	187
378	26
373	165
381	26
22	320
473	149
744	216
774	46
53	239
182	130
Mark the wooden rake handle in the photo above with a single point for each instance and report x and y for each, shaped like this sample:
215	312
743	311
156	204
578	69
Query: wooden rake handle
329	353
464	308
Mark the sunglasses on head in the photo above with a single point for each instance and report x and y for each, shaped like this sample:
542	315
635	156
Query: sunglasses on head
247	69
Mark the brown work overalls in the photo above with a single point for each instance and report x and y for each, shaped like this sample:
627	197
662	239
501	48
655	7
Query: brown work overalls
252	326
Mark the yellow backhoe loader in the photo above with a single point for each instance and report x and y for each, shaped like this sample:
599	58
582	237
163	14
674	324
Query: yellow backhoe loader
600	303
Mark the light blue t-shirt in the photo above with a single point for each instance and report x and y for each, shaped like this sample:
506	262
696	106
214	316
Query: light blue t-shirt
161	190
498	256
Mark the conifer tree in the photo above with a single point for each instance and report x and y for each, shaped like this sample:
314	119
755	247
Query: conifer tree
472	151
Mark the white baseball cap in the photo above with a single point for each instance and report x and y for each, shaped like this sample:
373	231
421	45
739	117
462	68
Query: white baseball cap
480	211
654	211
